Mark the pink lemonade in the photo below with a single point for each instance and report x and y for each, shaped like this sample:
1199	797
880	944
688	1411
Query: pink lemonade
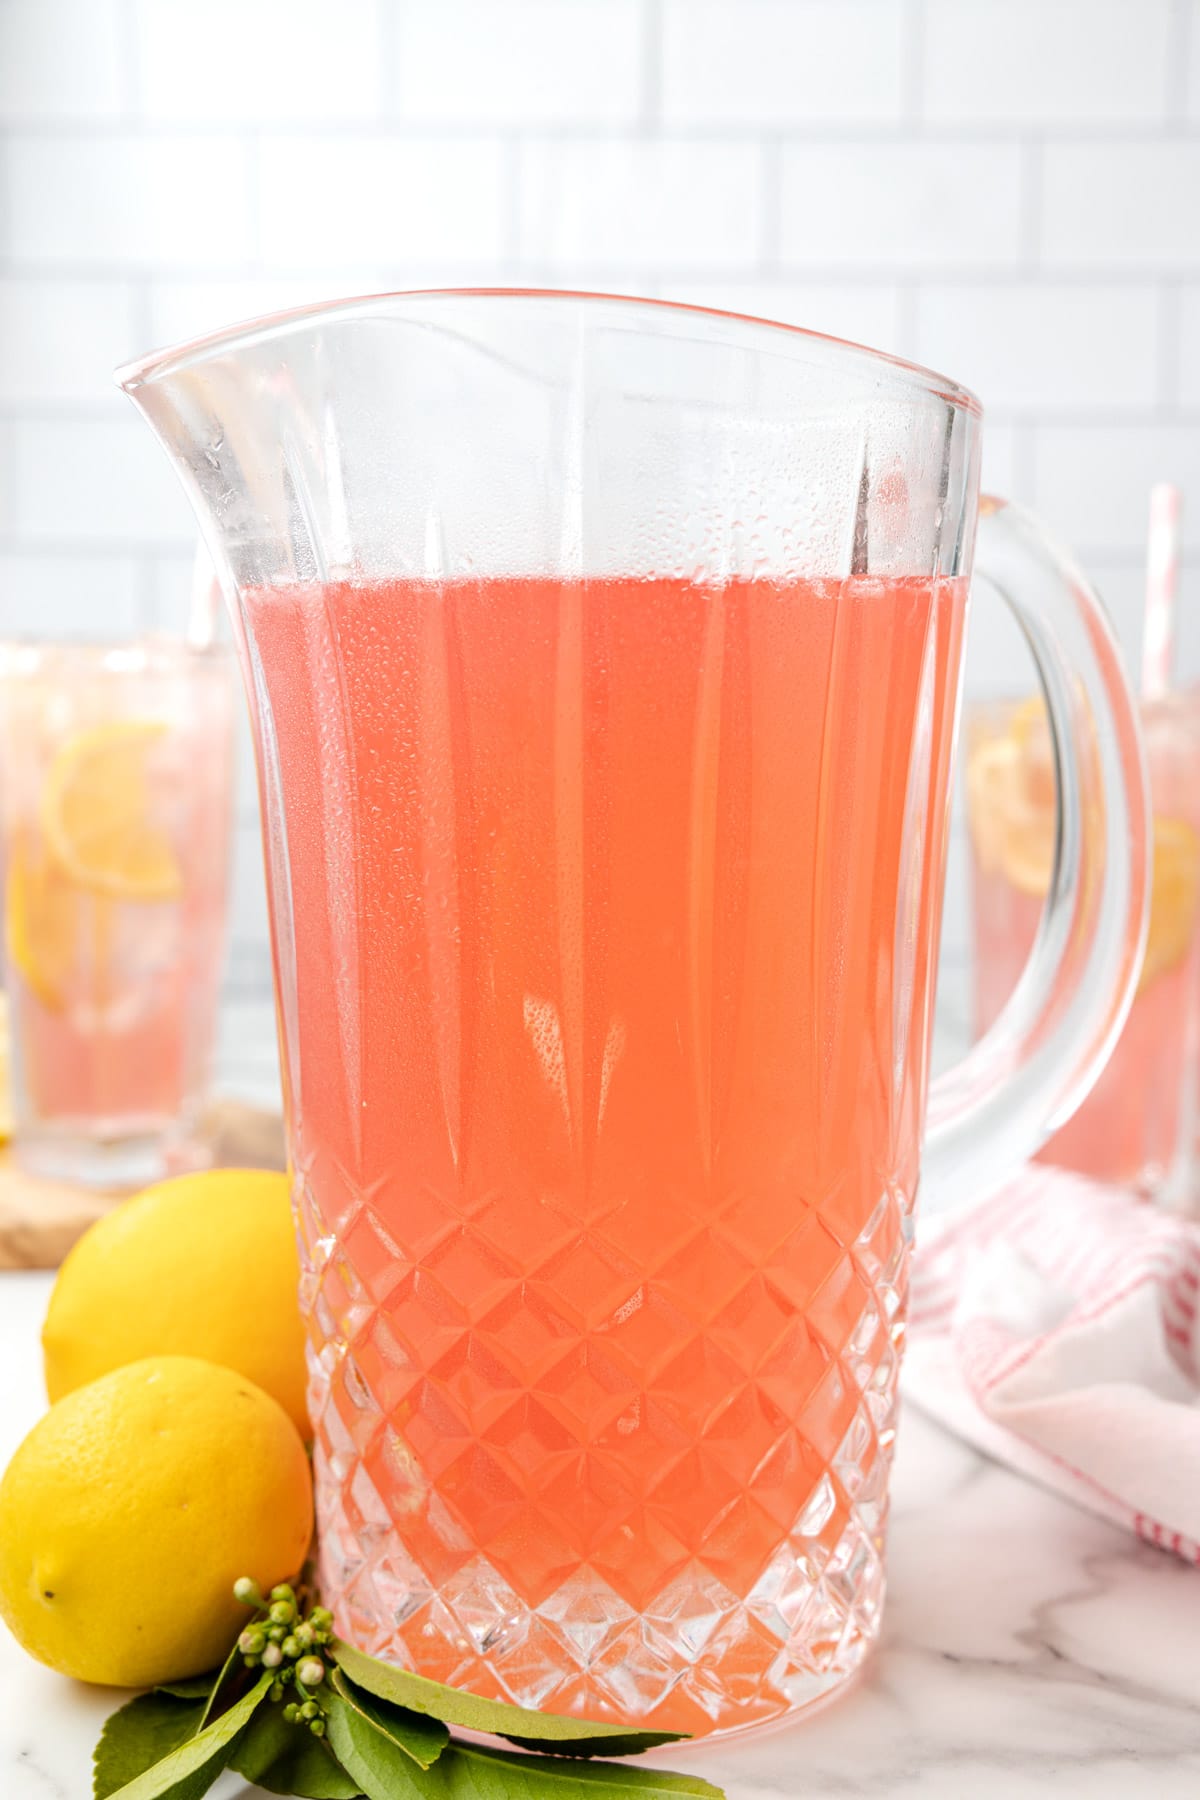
117	790
606	1058
1130	1128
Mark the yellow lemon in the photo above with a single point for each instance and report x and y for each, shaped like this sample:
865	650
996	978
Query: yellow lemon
131	1509
203	1265
97	812
1174	891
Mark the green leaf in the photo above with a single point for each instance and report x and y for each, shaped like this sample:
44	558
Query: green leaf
199	1687
288	1759
374	1759
189	1771
421	1737
455	1707
139	1735
476	1772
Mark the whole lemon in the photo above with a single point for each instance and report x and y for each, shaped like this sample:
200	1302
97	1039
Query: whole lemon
131	1509
203	1265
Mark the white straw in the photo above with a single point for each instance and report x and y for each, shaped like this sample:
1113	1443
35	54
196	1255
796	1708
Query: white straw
204	605
1162	580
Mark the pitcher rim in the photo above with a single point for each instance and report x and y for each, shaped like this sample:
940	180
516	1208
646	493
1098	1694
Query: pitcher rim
157	364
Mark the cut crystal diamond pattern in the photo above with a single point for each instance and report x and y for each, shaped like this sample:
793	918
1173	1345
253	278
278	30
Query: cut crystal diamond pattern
721	1416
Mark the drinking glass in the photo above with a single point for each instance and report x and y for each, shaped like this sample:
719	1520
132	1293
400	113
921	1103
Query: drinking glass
1135	1126
603	659
117	780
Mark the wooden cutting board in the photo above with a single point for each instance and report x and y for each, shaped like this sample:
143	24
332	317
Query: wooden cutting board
40	1220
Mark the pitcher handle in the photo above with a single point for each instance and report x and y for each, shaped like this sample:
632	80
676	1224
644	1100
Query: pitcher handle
1030	1071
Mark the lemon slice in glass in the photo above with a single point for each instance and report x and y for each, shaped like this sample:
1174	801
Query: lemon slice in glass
1174	893
97	816
42	919
1013	832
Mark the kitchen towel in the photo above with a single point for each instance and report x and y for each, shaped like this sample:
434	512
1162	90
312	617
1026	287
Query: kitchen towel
1054	1326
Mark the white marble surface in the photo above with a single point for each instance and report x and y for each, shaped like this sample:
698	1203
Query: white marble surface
1029	1649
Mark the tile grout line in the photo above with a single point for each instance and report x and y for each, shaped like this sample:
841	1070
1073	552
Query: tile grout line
1000	276
907	316
770	207
1024	462
389	30
1032	204
141	287
837	133
146	565
252	155
129	59
512	177
1179	44
912	69
650	72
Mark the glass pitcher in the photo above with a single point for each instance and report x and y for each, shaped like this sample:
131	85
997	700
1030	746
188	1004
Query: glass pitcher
604	664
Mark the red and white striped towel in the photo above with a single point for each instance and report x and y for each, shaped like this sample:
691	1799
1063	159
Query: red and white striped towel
1054	1325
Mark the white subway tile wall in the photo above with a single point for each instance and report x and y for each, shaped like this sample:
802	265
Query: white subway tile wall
115	201
889	206
62	60
258	62
94	483
1006	189
325	201
1129	205
56	337
798	63
539	63
1050	63
1041	344
1189	348
661	203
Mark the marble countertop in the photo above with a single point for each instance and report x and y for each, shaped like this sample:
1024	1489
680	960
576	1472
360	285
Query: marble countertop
1028	1649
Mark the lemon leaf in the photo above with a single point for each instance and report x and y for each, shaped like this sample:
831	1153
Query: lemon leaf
141	1734
373	1758
198	1688
476	1772
419	1736
189	1770
286	1759
455	1707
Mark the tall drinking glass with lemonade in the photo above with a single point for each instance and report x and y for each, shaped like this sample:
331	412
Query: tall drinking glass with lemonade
117	790
604	659
1136	1126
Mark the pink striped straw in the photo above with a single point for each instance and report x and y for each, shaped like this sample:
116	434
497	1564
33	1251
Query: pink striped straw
1162	580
